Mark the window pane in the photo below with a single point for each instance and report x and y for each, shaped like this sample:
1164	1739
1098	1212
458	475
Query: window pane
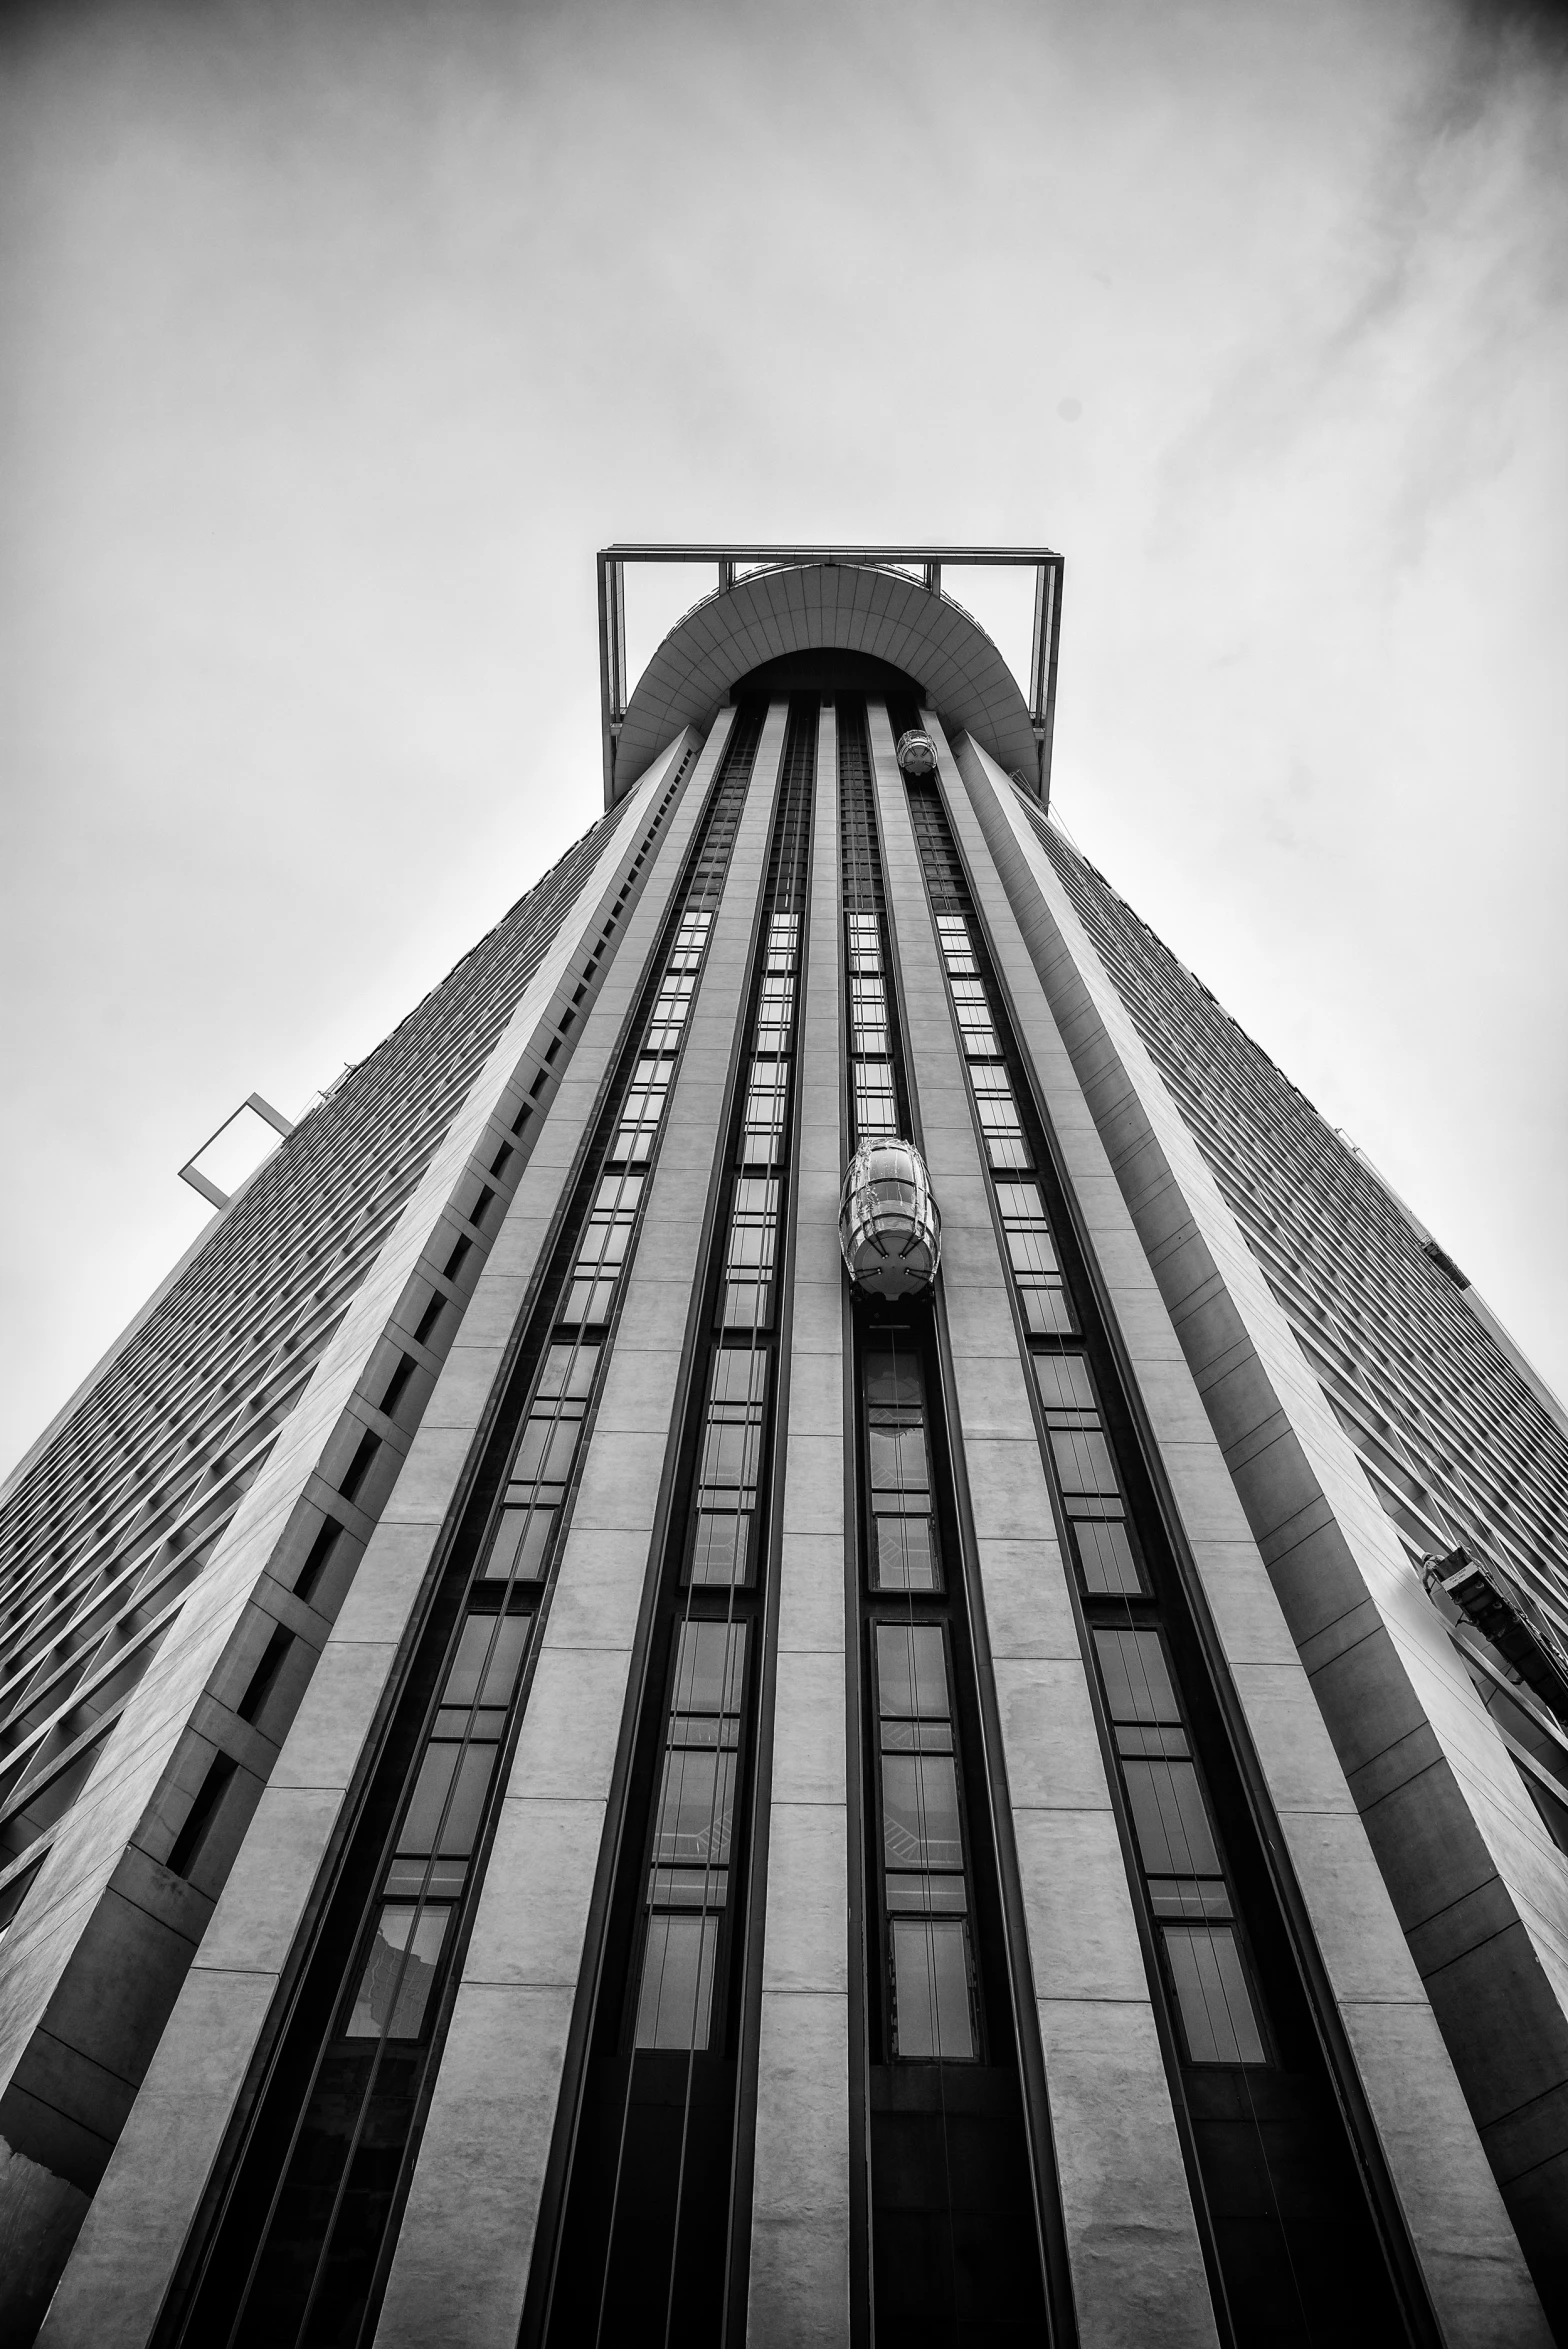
492	1645
729	1453
740	1375
399	1973
1031	1249
932	2015
1172	1826
429	1799
903	1554
893	1380
1083	1460
719	1552
1047	1310
462	1818
911	1672
520	1544
751	1247
1105	1555
1137	1681
1064	1383
696	1803
920	1811
546	1450
921	1895
568	1370
710	1668
604	1246
898	1459
1211	1993
677	1981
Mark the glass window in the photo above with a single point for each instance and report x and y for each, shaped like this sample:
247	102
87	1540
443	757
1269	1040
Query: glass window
1105	1555
443	1811
865	942
568	1369
489	1655
1211	1995
903	1553
898	1459
521	1542
911	1672
1048	1311
1064	1383
719	1558
676	2000
545	1454
1172	1826
710	1668
399	1972
696	1807
893	1380
932	2012
920	1811
1137	1678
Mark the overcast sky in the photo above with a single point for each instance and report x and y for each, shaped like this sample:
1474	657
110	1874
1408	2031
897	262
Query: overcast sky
336	338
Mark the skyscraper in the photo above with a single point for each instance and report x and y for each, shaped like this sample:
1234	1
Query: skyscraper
811	1626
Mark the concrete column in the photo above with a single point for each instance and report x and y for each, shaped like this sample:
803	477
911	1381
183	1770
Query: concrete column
461	2267
1252	1451
1132	2238
131	2240
799	2278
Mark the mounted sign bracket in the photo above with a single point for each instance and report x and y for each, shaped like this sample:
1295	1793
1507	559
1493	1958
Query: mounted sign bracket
191	1173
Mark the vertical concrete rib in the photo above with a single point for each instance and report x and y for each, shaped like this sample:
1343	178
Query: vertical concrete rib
799	2276
120	2270
1148	1201
1132	2238
466	2242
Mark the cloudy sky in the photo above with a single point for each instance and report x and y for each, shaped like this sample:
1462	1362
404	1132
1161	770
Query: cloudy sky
337	337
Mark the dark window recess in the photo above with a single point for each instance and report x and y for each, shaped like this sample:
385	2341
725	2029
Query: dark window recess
955	2216
359	1467
397	1385
552	1048
954	2231
539	1084
482	1205
1291	2230
641	2248
265	1677
459	1257
317	1558
202	1816
522	1117
502	1159
425	1327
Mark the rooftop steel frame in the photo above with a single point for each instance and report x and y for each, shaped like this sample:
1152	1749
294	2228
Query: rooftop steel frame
733	558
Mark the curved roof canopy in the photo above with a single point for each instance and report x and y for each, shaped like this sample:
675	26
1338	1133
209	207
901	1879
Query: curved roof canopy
802	606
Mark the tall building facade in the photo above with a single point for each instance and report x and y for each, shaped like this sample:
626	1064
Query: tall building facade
812	1626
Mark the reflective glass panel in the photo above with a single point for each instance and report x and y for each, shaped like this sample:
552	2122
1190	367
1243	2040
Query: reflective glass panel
932	2014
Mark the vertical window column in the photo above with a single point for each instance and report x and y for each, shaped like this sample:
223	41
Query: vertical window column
304	2238
688	1880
